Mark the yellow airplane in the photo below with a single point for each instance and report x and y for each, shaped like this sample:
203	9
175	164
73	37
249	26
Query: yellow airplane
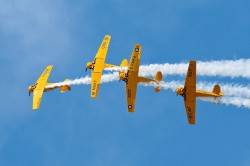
99	64
131	78
190	93
40	86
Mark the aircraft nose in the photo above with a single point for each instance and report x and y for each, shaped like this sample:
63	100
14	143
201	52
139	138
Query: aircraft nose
29	89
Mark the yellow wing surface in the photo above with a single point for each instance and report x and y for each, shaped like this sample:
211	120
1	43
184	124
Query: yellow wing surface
190	92
99	63
39	87
132	77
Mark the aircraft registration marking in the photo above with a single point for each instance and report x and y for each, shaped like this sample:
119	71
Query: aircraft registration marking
129	93
104	44
94	86
132	63
45	72
190	70
189	113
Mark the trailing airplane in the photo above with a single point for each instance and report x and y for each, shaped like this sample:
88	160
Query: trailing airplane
40	86
99	64
189	92
131	78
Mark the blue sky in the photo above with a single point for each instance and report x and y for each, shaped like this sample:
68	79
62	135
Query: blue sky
72	128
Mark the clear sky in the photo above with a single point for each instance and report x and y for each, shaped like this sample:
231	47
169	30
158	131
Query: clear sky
73	129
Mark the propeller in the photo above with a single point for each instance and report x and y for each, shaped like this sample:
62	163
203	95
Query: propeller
29	93
86	69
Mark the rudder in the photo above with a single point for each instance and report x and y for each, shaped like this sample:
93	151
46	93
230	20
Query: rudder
124	63
158	78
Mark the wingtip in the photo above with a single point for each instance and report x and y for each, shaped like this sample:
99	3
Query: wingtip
107	36
192	61
50	66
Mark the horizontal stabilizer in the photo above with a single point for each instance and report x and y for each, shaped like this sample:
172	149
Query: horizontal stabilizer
65	87
158	77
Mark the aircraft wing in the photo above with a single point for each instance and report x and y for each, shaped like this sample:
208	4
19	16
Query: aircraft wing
37	97
103	49
131	96
132	76
135	59
190	109
99	63
190	95
191	74
95	83
40	84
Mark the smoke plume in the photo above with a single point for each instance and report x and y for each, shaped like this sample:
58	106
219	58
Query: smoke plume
224	68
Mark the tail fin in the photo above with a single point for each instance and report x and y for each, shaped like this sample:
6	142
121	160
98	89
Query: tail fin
217	90
158	78
65	87
124	63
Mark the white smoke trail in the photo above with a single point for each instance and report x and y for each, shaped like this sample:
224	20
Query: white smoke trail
224	68
235	90
227	89
85	80
239	94
236	101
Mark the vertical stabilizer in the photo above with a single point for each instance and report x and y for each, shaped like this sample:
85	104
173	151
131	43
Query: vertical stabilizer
217	90
124	63
158	78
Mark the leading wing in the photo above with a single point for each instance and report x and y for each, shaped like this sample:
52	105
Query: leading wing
40	84
190	109
37	97
98	66
191	74
95	83
103	49
190	91
131	96
135	59
132	77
